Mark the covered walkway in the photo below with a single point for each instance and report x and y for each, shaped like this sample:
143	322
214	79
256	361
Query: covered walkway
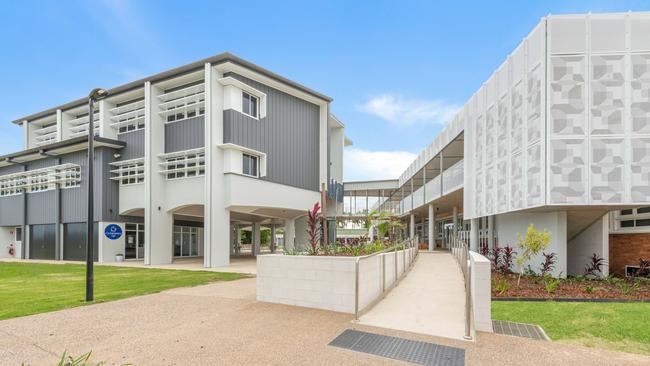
429	300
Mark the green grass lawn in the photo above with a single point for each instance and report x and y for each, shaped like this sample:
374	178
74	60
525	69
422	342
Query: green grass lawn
31	288
615	326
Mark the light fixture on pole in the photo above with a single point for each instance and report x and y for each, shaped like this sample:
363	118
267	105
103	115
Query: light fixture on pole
94	96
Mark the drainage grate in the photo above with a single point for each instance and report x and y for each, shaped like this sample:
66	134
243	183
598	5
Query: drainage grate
519	330
422	353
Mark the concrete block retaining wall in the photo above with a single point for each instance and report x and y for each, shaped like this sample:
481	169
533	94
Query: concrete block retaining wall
325	282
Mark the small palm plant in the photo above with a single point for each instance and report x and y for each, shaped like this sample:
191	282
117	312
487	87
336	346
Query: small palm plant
313	227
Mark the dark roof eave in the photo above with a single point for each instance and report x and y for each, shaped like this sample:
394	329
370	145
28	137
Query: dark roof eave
62	144
218	59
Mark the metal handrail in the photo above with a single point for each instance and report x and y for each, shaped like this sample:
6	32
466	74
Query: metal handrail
406	246
460	251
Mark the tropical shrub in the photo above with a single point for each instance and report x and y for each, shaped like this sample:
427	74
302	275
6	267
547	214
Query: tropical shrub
313	228
644	268
507	256
594	267
551	284
532	244
549	263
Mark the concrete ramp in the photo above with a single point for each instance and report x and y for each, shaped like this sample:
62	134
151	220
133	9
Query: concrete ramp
429	300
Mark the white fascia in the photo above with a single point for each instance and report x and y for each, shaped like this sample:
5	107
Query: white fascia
233	97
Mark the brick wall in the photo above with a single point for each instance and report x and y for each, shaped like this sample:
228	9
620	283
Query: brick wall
626	249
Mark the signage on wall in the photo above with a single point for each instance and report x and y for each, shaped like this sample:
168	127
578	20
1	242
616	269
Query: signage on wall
113	231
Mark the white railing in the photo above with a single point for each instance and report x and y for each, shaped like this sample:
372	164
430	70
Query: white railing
378	280
460	252
418	197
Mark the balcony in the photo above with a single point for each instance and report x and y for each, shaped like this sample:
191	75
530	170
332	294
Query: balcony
452	180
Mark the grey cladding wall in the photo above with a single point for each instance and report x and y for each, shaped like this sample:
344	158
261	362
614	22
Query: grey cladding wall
289	135
73	200
185	135
11	207
134	145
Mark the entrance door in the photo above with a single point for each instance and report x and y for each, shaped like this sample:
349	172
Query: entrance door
186	241
134	241
18	241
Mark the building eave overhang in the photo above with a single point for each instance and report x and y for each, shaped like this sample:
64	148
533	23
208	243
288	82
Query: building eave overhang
57	148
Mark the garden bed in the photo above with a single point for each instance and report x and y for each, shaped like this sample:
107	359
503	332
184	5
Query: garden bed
572	288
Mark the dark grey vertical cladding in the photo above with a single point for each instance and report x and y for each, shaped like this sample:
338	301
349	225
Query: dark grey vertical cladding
289	135
11	207
41	206
73	200
110	190
185	135
134	145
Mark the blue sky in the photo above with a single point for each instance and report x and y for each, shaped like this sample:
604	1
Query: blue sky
396	69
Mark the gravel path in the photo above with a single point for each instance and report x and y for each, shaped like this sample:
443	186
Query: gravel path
222	324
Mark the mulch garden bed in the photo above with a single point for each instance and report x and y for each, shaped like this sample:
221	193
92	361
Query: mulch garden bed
537	287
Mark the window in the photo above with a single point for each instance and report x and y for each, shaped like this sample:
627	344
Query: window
40	180
249	165
128	172
249	104
634	218
71	177
128	116
183	102
184	164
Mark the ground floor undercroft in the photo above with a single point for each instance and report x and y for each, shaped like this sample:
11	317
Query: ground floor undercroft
183	238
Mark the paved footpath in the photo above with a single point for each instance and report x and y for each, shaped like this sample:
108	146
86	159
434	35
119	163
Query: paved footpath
222	324
429	300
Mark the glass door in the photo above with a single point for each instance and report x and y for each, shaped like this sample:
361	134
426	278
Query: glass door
134	241
186	241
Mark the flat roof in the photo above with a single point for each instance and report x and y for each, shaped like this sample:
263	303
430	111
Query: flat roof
217	59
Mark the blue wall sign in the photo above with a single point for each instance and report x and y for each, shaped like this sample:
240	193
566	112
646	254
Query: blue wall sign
113	231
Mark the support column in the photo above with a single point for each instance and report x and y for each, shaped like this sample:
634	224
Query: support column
455	220
473	237
237	239
412	227
216	213
256	238
490	232
158	222
273	238
432	234
289	235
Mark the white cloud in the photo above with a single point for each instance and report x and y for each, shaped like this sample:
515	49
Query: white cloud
398	110
362	164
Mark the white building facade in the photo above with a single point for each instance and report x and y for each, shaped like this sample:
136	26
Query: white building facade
557	137
184	160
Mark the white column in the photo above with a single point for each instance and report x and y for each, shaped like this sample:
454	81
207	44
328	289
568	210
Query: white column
412	227
273	238
59	125
217	215
473	238
255	233
157	221
432	218
490	232
289	235
455	220
26	134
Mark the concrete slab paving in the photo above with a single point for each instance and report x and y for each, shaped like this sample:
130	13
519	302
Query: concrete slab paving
429	300
222	324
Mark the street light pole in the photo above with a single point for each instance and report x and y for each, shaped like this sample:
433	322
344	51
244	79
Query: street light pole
95	95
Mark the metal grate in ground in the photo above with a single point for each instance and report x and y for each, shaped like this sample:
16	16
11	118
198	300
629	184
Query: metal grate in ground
519	330
422	353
